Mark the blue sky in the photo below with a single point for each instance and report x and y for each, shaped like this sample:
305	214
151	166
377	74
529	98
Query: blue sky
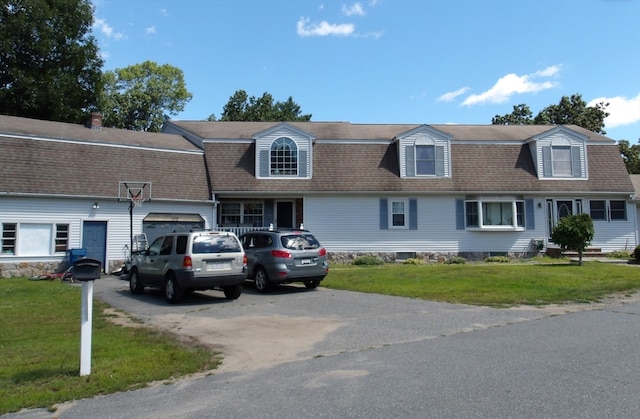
388	61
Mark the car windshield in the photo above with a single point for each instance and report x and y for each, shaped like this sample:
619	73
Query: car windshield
215	244
299	242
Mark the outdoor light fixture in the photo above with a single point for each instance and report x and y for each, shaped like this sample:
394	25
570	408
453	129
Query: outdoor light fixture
539	204
96	205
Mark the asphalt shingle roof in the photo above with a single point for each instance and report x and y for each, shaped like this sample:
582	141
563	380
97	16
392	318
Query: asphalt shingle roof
37	157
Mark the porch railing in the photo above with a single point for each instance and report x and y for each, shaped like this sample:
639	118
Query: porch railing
238	231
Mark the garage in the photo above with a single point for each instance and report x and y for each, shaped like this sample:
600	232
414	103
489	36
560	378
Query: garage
156	224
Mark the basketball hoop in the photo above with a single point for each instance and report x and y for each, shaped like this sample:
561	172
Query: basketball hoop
137	201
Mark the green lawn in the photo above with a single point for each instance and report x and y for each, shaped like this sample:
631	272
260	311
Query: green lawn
496	285
40	339
40	347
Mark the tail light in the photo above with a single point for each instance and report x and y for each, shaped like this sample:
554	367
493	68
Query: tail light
281	254
322	252
245	260
187	263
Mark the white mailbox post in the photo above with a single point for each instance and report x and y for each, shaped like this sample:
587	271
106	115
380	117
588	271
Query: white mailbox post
86	270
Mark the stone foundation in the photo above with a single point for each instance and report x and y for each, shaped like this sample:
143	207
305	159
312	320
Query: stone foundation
30	269
26	269
427	257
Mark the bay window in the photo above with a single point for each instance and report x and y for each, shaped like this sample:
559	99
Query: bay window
495	214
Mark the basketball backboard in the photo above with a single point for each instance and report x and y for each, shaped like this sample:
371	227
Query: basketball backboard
134	191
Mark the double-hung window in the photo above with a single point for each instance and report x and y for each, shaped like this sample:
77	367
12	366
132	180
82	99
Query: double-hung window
238	214
608	210
398	214
425	160
561	156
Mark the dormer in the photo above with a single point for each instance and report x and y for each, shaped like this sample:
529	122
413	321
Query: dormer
284	152
424	152
560	153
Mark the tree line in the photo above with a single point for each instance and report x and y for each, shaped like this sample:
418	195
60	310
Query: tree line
51	69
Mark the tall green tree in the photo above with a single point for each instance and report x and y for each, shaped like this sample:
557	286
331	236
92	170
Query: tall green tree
241	107
142	96
50	67
569	111
574	232
631	155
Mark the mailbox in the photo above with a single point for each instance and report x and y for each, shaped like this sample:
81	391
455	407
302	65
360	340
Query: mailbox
86	269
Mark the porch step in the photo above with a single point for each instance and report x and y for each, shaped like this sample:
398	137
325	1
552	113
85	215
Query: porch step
591	252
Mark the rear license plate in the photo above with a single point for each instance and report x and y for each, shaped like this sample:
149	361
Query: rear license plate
217	266
305	261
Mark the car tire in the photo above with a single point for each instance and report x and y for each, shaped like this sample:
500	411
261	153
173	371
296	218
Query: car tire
263	283
312	283
135	285
172	291
232	292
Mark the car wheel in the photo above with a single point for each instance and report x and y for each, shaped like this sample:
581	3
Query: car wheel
135	285
172	291
263	283
232	292
312	283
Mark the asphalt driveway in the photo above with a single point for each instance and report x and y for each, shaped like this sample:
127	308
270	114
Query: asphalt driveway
297	353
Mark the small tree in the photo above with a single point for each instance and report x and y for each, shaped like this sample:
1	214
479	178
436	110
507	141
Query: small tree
574	232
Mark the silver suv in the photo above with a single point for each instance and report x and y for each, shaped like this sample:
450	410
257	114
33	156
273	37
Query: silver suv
284	256
179	263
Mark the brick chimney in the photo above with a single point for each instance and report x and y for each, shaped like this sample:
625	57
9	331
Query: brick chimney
95	121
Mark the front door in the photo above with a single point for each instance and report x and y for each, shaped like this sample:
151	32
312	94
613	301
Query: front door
559	208
284	214
94	240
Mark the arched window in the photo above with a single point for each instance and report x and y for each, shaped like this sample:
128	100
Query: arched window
284	157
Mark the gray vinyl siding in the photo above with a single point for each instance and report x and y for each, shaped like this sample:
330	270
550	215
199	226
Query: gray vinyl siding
543	148
75	211
353	224
406	151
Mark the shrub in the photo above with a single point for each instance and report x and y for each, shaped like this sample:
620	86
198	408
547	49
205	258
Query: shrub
497	259
458	260
413	261
636	253
621	254
368	260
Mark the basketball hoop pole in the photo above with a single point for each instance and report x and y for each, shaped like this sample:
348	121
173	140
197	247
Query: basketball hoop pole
131	230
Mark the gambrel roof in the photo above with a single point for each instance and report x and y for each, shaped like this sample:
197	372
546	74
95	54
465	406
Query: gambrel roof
363	158
58	159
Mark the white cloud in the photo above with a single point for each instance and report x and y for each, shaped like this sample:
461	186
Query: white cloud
151	30
512	84
355	9
622	111
164	12
548	72
448	97
305	28
106	29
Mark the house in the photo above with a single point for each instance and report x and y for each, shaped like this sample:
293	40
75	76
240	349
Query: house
635	180
396	190
407	190
62	188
